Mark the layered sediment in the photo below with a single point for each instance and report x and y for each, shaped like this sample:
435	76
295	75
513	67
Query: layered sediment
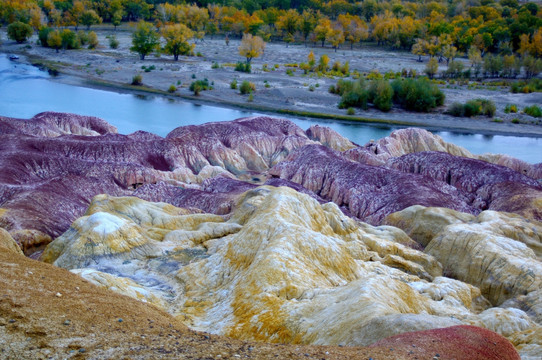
257	230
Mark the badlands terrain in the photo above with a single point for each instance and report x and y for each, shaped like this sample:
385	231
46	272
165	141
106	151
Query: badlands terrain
257	239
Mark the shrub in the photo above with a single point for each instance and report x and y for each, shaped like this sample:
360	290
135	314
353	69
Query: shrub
69	39
350	111
19	31
137	80
289	72
488	107
247	87
533	111
200	85
510	109
171	89
83	37
417	94
233	84
381	94
198	54
250	98
356	96
515	121
311	88
456	109
215	65
243	67
92	40
113	42
43	34
472	108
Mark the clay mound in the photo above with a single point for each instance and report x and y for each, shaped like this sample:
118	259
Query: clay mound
456	342
48	312
486	185
52	124
368	192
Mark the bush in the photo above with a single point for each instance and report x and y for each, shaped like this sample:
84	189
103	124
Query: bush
250	98
356	96
19	31
113	42
243	67
533	111
137	80
69	39
200	85
92	40
171	89
456	109
43	34
233	84
247	87
473	108
510	109
83	37
381	94
215	65
350	111
417	94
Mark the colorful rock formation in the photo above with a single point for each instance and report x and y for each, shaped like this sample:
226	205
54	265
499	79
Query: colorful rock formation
285	268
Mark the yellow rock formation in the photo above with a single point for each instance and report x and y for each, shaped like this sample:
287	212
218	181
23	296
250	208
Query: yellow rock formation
285	268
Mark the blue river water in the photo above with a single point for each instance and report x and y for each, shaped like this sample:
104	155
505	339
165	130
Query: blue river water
25	91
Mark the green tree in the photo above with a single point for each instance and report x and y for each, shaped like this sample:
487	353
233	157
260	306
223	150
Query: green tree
177	37
89	17
116	18
19	31
145	39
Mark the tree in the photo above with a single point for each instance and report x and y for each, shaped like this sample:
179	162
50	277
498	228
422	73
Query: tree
323	31
89	17
475	58
336	38
76	13
251	47
19	31
177	37
307	23
54	40
116	18
432	67
289	23
144	39
419	48
532	66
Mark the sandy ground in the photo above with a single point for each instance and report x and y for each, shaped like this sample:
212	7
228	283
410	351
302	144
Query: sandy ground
275	90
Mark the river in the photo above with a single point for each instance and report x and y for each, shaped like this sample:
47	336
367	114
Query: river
25	91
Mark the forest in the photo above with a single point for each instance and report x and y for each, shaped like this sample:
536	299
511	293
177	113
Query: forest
443	29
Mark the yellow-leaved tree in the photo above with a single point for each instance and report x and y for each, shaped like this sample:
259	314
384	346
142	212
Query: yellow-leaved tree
251	47
177	37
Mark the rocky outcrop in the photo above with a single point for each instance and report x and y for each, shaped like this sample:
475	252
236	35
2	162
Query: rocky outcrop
48	312
413	140
499	253
282	268
368	192
49	172
487	186
53	124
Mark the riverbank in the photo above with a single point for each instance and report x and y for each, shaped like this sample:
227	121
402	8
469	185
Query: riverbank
276	91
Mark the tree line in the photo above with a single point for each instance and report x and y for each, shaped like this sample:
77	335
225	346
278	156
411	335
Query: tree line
443	29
